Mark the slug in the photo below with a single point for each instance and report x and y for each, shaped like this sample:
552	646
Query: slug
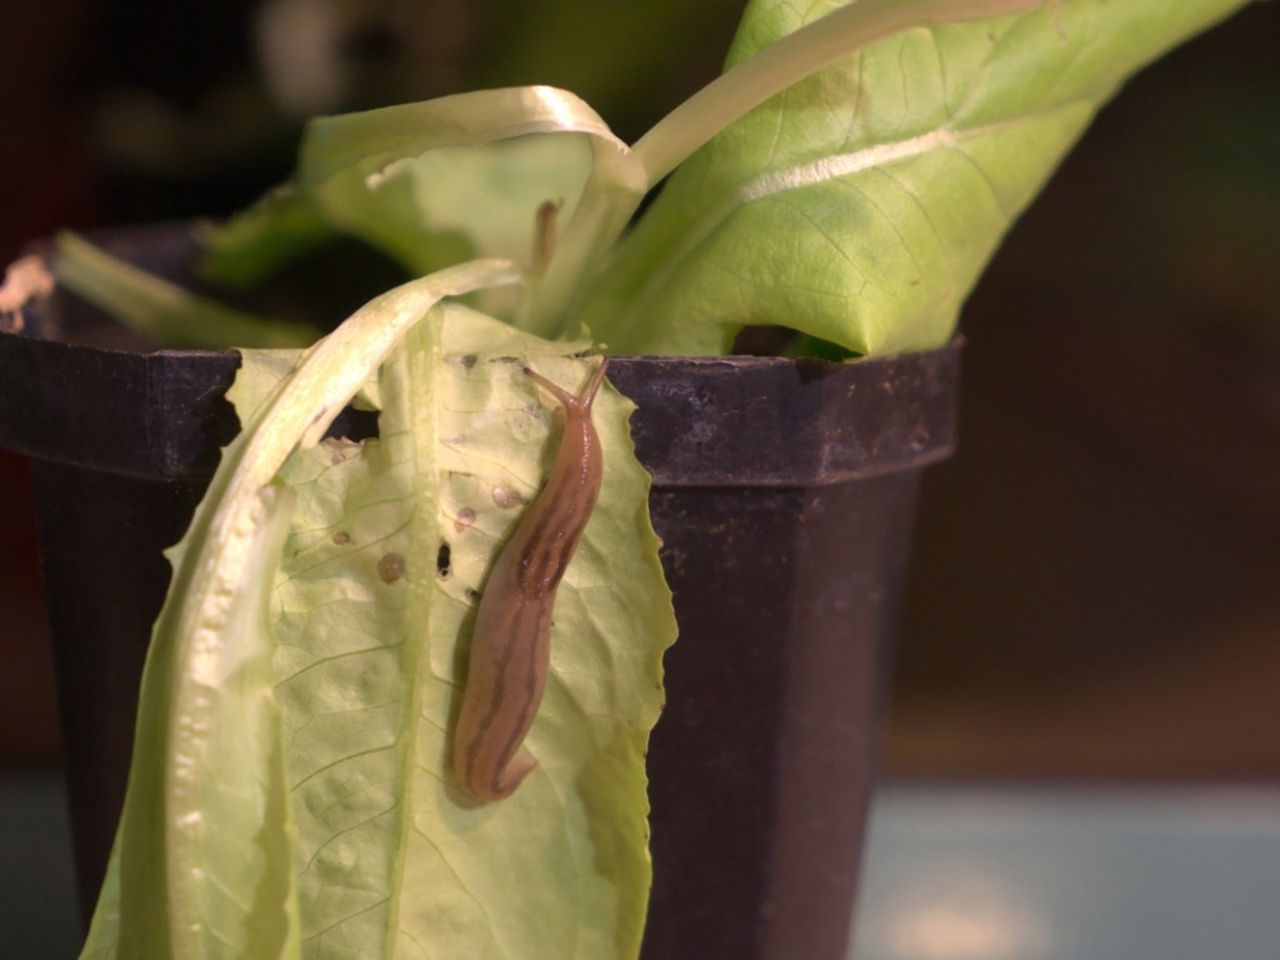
510	646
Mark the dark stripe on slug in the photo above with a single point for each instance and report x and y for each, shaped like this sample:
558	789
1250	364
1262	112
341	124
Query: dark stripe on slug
537	536
525	720
495	696
561	503
563	559
548	564
533	570
512	643
555	508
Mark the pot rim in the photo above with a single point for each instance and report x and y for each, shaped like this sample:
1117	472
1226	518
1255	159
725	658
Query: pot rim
701	421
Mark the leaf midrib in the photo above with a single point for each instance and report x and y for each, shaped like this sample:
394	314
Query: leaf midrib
801	176
417	367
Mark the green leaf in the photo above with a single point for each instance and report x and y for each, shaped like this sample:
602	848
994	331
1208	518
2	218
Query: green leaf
860	205
208	845
162	311
458	202
199	866
392	858
315	734
280	227
429	183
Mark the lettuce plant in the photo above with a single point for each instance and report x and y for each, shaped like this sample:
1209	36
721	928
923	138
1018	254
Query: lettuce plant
847	177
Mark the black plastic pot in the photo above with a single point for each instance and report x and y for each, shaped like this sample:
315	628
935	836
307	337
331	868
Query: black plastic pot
783	491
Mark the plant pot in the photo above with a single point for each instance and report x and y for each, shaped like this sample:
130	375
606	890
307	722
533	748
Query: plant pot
783	491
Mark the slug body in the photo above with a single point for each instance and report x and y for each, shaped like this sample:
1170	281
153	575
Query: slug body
510	647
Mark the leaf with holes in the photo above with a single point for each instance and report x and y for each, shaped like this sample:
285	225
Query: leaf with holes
199	868
384	564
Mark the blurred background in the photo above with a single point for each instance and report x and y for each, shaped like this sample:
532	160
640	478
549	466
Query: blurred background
1094	593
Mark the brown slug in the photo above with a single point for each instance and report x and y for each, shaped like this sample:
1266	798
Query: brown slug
510	646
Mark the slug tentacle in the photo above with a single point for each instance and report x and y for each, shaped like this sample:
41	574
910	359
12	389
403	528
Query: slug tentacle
510	646
581	403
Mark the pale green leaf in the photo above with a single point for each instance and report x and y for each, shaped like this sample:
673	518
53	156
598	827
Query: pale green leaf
200	864
430	183
457	202
346	734
860	205
392	858
229	888
332	145
283	225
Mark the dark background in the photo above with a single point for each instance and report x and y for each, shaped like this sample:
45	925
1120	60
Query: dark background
1095	586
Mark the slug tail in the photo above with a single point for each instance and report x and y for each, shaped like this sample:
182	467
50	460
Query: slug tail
506	782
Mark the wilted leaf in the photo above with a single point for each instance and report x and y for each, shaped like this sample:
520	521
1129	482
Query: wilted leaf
198	869
383	566
429	183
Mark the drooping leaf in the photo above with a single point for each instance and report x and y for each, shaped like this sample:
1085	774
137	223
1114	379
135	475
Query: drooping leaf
162	311
429	183
457	202
196	868
860	205
368	624
391	543
199	866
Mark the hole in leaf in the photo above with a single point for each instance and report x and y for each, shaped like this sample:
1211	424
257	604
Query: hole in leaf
354	425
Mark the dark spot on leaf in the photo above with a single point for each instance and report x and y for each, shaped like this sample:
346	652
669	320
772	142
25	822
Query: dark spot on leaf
473	594
319	415
469	361
341	537
442	560
391	567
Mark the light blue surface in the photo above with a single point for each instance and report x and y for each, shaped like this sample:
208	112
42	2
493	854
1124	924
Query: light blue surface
1009	873
1029	874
